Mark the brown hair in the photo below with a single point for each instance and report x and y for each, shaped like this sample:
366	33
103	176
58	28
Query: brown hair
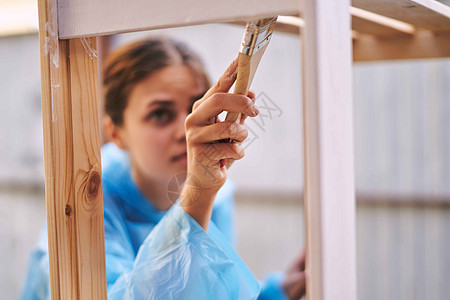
132	63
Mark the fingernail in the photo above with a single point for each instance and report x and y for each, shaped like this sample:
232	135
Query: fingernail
255	111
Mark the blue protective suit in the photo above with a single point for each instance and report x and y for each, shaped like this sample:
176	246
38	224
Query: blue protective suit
152	254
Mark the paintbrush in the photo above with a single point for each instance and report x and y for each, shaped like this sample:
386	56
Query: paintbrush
256	38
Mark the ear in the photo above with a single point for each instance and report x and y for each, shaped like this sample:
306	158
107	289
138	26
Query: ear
114	133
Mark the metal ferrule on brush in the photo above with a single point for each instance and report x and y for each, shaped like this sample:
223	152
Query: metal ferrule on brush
257	35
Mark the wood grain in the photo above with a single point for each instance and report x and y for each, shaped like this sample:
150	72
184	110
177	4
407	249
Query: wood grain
87	178
57	152
72	168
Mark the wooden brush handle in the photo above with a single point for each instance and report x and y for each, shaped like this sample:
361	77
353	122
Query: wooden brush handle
247	66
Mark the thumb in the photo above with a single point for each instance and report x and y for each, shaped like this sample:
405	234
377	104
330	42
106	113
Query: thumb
224	83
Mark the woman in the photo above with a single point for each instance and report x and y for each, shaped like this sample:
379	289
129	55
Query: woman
163	123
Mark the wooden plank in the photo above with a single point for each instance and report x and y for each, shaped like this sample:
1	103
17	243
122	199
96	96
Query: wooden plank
427	14
103	50
362	25
328	151
71	141
100	17
92	18
87	178
53	73
362	22
366	22
287	24
388	44
423	44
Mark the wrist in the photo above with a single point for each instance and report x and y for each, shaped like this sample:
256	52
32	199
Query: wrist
198	203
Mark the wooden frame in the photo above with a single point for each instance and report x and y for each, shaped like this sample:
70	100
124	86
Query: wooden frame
420	29
329	191
72	162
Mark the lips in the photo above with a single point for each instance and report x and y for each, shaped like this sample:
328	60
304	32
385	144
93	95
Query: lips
180	156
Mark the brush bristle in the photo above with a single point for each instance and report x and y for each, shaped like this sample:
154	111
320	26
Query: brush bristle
257	34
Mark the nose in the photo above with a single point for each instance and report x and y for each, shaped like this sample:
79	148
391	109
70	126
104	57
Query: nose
180	133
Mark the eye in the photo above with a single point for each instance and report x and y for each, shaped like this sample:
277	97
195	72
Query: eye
161	116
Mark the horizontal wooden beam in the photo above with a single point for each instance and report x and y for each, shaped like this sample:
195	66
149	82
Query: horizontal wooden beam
393	45
424	44
84	18
427	14
286	24
364	21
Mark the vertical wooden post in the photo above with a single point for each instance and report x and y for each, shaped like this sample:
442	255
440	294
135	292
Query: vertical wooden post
328	150
73	188
103	50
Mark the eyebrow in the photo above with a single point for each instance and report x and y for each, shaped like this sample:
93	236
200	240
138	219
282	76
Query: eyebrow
171	103
161	102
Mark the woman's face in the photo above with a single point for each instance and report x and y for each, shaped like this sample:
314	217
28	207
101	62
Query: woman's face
153	130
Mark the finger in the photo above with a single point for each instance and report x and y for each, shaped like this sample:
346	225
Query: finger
299	262
295	285
242	120
216	132
251	95
210	154
225	81
222	85
219	102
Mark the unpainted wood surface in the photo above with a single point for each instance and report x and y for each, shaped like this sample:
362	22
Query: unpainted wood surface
423	44
57	155
72	168
378	42
363	25
87	178
100	17
427	14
